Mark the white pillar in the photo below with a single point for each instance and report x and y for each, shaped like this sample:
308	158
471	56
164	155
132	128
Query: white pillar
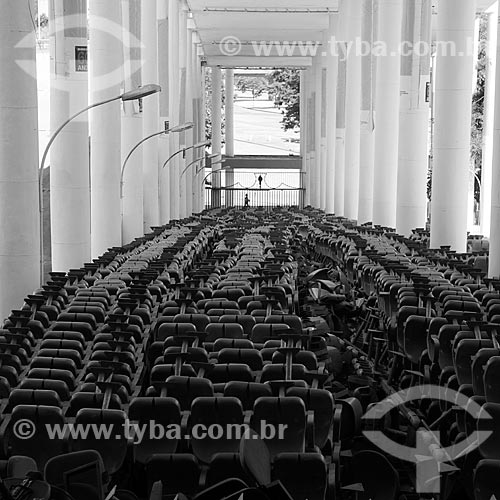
69	155
313	133
353	111
151	114
173	104
455	23
489	121
494	259
322	118
317	167
332	68
306	175
387	113
367	131
216	130
341	112
131	130
164	69
19	216
191	135
199	86
229	129
105	52
184	137
414	119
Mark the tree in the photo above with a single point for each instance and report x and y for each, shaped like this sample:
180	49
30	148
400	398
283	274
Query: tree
208	107
257	85
478	109
285	90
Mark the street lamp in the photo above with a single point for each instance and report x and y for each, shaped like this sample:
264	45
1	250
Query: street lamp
183	151
177	128
200	159
132	95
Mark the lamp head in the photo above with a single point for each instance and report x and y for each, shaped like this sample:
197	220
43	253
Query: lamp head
182	128
201	144
141	92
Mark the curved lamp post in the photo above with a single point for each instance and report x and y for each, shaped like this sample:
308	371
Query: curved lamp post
214	155
183	151
177	128
132	95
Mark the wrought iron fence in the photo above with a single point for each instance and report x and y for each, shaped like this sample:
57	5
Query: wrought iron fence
221	197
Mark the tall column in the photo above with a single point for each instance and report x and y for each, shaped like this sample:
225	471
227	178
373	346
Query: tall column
317	168
494	259
315	153
387	113
164	69
105	52
184	137
229	129
353	111
172	167
303	128
216	131
306	175
199	86
191	135
151	114
455	23
414	119
332	68
69	155
322	68
19	216
341	112
367	132
489	121
132	191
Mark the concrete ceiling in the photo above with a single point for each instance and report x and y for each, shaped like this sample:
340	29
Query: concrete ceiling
229	30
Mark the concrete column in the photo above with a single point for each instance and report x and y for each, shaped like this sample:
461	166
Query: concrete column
489	121
455	23
19	215
332	68
353	111
311	113
164	69
132	131
216	130
341	112
323	115
105	52
303	131
494	259
151	115
387	113
367	132
306	177
173	104
199	86
69	155
317	168
203	116
229	128
414	119
191	134
185	138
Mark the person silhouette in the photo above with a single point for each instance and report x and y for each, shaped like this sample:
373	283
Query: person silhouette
260	179
247	200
